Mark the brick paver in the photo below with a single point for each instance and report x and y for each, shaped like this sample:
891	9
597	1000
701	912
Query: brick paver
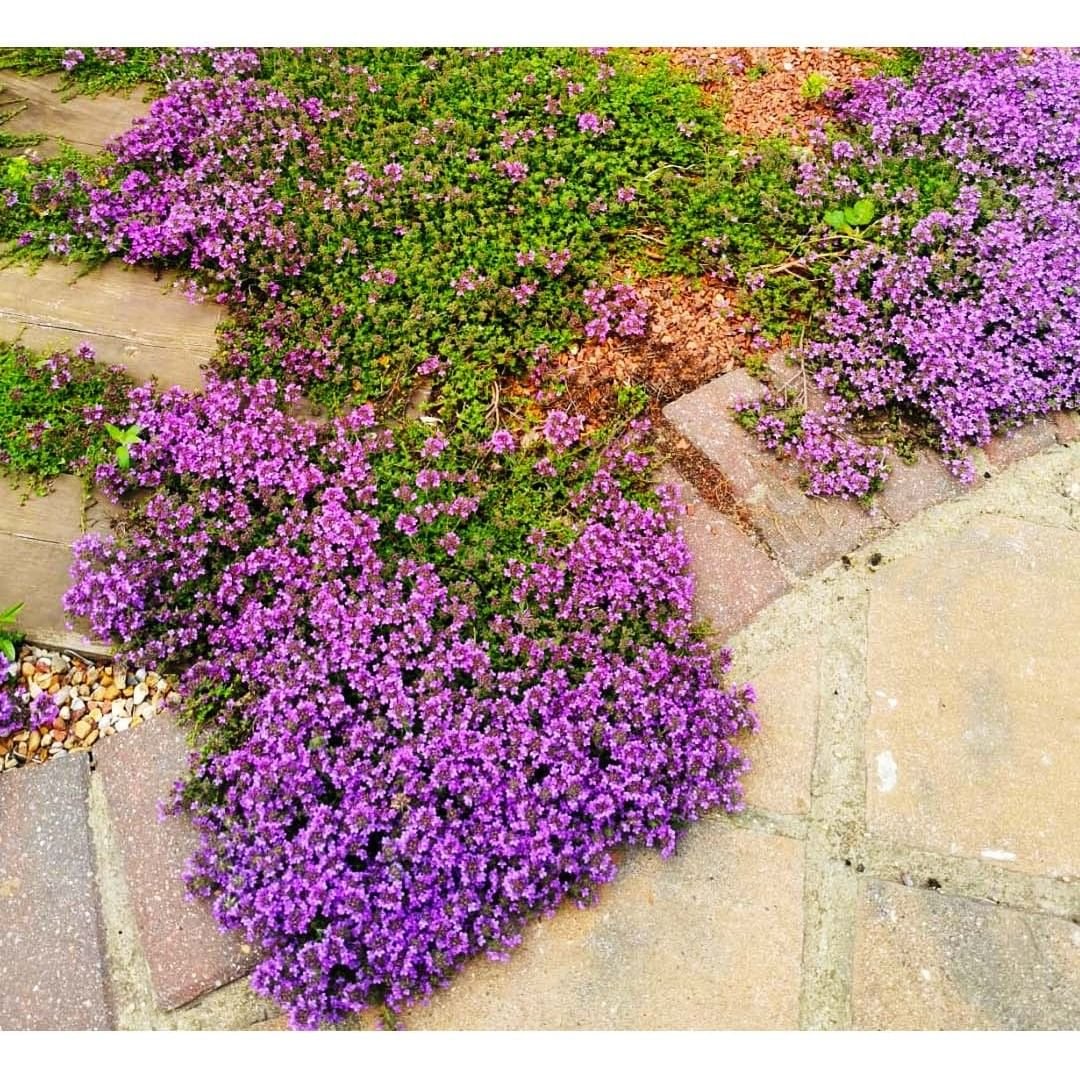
914	486
186	952
925	960
806	534
1016	444
51	946
735	578
973	679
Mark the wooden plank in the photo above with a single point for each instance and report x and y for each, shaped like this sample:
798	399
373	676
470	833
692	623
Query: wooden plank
88	123
36	573
55	517
128	315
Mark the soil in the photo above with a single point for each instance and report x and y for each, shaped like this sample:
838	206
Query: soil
761	90
696	331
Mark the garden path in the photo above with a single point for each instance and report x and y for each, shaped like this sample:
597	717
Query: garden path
892	869
916	683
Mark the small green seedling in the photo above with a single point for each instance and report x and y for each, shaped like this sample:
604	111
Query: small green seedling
852	220
815	86
8	637
124	439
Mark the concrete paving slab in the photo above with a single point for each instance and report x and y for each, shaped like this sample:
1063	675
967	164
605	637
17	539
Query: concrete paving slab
928	961
973	687
711	938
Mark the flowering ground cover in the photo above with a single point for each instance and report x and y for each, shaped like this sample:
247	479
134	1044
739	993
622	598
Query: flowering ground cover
500	683
53	411
950	235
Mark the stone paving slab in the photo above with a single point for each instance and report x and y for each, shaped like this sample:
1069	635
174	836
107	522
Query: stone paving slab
928	961
711	938
186	952
973	728
88	123
806	534
126	313
36	532
55	517
36	573
51	947
735	578
781	753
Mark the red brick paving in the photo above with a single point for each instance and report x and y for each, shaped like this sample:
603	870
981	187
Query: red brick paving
186	952
1012	446
735	577
806	534
52	947
914	487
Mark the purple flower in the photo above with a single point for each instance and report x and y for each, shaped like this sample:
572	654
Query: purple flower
502	441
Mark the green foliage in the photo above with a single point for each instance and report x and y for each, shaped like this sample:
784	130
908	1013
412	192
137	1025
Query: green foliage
903	65
8	636
38	201
815	86
51	412
851	220
124	440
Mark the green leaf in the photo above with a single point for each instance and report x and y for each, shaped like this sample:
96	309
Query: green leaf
835	219
8	649
862	213
114	432
123	457
132	433
11	612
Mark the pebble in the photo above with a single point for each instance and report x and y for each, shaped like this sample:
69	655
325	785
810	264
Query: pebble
92	702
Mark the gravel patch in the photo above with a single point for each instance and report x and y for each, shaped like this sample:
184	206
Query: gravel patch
93	700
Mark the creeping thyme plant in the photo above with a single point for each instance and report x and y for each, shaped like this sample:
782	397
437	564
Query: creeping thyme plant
52	411
436	650
949	228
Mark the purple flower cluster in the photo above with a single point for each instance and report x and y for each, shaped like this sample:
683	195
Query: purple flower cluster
415	777
836	463
195	179
618	310
969	319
